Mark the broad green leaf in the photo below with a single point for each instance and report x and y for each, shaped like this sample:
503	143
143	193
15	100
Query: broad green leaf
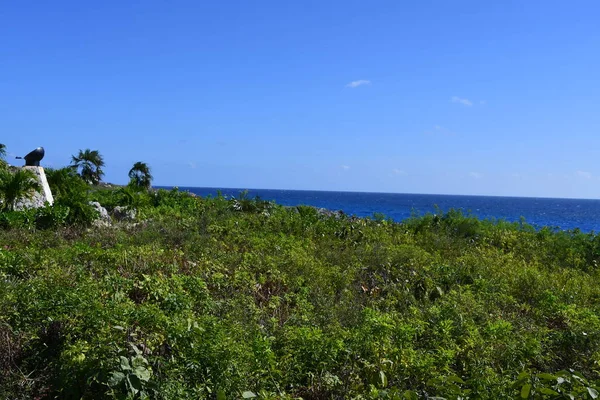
125	364
523	375
115	378
455	379
134	382
142	373
248	395
525	390
592	392
547	377
221	395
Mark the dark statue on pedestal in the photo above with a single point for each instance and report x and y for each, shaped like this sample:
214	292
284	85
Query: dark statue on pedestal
33	158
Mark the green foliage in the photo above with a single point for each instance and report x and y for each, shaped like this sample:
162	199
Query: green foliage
140	176
132	377
71	193
2	156
90	163
20	184
208	298
246	204
560	385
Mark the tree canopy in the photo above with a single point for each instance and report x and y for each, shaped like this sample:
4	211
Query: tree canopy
89	163
140	175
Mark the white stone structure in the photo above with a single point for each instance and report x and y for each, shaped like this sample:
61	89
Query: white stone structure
40	198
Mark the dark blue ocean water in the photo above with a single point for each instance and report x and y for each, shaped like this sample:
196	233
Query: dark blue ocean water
558	213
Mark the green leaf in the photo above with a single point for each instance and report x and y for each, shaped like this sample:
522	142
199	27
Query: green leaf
138	361
383	379
434	382
248	395
455	379
134	382
115	379
125	364
547	377
523	375
410	395
592	392
142	373
521	379
525	390
136	349
221	395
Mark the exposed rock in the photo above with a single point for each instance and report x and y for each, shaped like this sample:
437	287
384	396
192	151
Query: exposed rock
103	218
330	213
120	213
36	200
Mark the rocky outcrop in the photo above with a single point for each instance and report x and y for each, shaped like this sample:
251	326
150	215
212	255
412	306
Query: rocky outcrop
103	217
125	214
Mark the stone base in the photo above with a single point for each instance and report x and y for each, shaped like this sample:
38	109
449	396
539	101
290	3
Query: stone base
40	198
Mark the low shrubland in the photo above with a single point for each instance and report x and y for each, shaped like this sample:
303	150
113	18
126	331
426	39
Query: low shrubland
222	298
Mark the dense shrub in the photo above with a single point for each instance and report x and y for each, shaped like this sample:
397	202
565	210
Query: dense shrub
228	298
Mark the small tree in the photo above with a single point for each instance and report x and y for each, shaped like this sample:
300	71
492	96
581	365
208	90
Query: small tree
89	163
15	186
2	155
140	176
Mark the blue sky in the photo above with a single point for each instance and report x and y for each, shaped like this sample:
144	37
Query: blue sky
455	97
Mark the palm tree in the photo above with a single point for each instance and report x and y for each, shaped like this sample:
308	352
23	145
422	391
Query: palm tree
90	162
2	155
16	186
140	175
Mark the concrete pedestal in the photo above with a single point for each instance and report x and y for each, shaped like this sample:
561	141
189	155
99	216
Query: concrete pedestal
40	198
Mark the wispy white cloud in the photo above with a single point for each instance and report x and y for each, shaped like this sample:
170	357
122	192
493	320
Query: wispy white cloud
584	174
476	175
360	82
460	100
345	167
399	172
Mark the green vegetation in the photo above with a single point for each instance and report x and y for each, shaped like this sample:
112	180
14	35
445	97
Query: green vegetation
240	298
90	162
16	185
2	155
140	176
220	298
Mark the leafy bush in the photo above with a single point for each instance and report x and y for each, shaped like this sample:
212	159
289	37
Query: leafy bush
239	298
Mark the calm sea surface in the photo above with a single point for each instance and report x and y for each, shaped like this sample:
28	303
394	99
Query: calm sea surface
558	213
